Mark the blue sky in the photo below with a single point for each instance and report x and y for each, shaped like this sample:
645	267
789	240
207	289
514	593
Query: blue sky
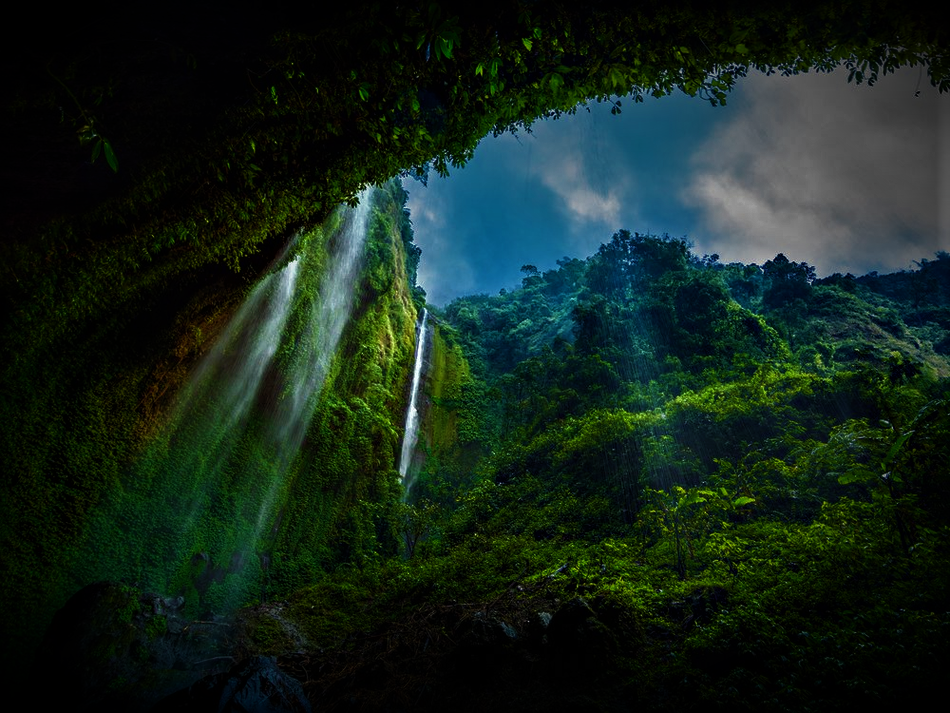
845	178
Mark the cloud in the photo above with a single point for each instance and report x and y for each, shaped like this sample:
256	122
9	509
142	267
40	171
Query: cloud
571	159
563	169
841	176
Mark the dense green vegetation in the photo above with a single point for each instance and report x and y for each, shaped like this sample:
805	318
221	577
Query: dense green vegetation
750	499
154	173
179	501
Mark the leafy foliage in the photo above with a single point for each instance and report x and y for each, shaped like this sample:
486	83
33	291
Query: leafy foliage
585	417
641	410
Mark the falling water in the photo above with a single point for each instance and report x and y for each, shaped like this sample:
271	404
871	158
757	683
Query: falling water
218	397
191	514
313	352
411	435
315	348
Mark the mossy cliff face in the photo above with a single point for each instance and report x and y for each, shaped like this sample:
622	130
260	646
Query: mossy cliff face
116	479
340	503
452	436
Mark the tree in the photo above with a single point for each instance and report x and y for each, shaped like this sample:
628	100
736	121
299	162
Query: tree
591	325
744	281
632	261
700	300
906	462
786	281
532	276
673	512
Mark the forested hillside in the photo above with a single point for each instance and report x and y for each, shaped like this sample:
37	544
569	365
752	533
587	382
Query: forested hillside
727	483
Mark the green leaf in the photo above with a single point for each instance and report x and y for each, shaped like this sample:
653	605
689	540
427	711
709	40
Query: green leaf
527	43
616	77
742	500
97	147
691	498
857	475
110	156
897	446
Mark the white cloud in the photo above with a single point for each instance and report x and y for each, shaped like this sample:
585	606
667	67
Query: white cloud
571	159
843	177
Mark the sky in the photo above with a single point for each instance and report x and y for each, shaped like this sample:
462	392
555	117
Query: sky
846	178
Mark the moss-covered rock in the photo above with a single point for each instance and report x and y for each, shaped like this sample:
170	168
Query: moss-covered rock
114	648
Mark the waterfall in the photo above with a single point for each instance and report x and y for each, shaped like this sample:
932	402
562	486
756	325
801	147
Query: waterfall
218	397
193	513
411	435
315	348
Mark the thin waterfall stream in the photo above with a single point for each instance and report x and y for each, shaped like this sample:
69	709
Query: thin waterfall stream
411	435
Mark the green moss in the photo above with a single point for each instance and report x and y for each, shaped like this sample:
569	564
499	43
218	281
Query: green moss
453	430
449	373
332	512
266	635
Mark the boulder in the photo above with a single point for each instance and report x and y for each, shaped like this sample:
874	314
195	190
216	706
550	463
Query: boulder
255	685
114	648
579	640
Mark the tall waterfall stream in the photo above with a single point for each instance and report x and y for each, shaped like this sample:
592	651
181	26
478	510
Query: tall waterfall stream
411	435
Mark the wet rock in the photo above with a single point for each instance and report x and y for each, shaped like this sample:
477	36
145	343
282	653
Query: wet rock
113	648
255	685
487	631
537	626
578	637
570	620
485	644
